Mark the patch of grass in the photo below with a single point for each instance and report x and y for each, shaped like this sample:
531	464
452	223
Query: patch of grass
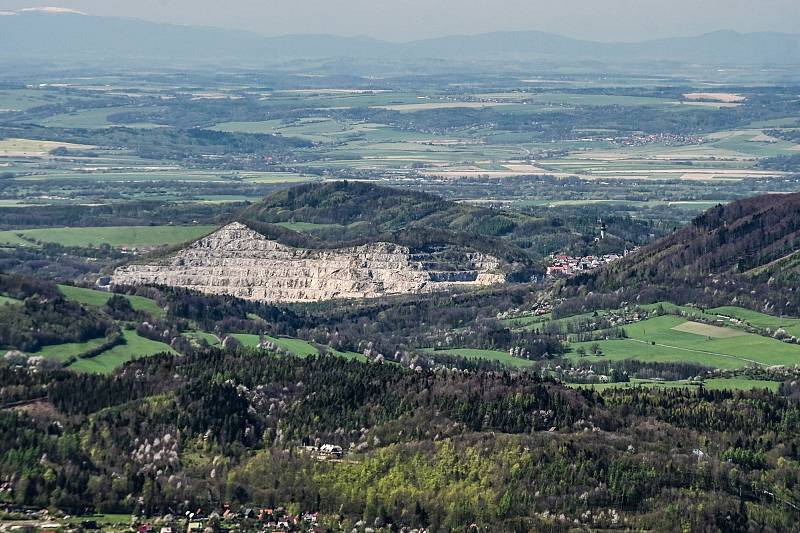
12	238
740	384
656	340
92	118
134	348
16	203
97	298
296	347
62	352
307	226
759	320
117	236
31	146
712	384
110	519
9	300
277	177
348	355
210	338
490	355
706	330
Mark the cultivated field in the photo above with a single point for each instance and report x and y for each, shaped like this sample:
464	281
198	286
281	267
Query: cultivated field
714	332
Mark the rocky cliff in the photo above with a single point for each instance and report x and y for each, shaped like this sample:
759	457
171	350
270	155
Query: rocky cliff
238	261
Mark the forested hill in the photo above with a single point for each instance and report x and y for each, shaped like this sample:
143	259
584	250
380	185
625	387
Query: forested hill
347	213
423	449
367	209
746	252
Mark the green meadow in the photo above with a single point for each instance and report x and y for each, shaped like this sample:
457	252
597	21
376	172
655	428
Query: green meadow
760	320
489	355
297	347
8	300
657	340
62	352
99	298
134	348
711	384
117	236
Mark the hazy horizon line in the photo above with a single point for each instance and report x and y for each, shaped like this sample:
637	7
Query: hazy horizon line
59	11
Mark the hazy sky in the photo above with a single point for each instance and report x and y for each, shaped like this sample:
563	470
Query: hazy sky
411	19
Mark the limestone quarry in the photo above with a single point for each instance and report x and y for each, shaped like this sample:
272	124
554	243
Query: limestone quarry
238	261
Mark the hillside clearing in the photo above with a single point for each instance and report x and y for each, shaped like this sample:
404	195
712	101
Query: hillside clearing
489	355
135	347
656	340
707	330
99	298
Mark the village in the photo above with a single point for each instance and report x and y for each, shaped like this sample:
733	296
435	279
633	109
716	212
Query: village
567	265
226	519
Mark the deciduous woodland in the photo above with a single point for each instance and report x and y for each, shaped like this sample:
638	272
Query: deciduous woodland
439	447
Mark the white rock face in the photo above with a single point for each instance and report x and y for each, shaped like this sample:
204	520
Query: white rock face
237	261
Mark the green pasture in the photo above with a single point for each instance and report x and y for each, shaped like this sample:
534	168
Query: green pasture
117	236
759	320
99	298
62	352
297	347
8	300
656	340
134	348
711	384
489	355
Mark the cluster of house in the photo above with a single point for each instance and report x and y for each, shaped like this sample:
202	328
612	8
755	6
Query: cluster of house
667	139
581	375
567	265
326	451
274	520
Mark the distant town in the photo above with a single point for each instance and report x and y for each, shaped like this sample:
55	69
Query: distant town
567	265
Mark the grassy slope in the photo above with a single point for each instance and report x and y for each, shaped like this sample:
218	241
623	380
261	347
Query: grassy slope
62	352
99	298
210	338
760	320
297	347
676	346
713	384
489	355
8	300
531	322
134	348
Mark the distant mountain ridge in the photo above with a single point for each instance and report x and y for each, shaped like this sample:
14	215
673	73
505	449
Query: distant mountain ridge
69	36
